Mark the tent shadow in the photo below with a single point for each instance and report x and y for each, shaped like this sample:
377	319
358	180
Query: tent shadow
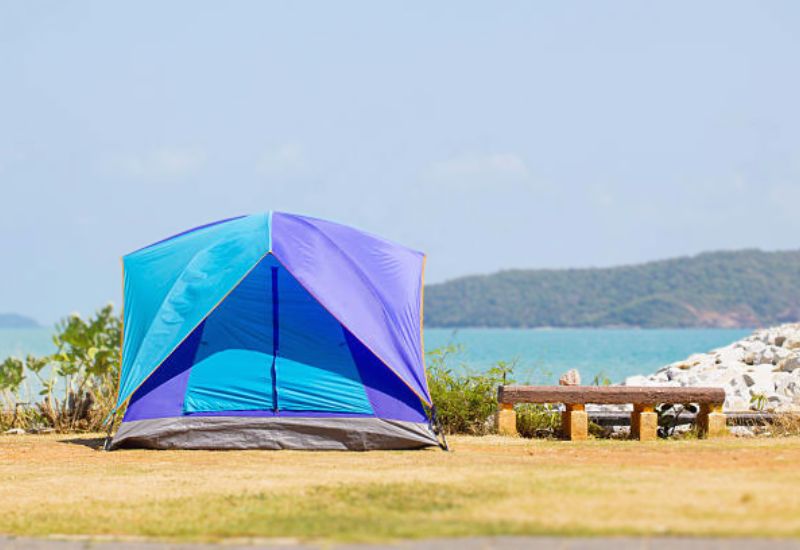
94	443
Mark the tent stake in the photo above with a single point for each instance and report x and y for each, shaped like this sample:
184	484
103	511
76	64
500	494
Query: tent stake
110	420
438	428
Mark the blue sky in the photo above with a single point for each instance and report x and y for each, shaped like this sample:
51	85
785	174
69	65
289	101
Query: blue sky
491	135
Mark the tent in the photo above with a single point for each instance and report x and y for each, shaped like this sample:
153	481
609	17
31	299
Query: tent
273	331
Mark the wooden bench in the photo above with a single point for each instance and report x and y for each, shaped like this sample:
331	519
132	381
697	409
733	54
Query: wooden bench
644	420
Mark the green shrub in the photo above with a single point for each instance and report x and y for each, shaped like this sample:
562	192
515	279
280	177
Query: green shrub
465	401
78	382
535	420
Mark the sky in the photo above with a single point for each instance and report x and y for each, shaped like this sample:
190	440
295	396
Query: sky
490	135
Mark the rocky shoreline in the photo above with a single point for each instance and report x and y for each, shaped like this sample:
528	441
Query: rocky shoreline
759	373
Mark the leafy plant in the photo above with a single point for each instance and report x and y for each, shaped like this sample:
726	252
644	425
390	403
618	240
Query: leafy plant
78	381
758	401
601	379
465	401
12	374
538	420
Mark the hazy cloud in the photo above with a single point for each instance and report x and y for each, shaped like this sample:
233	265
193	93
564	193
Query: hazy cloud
283	160
164	164
481	168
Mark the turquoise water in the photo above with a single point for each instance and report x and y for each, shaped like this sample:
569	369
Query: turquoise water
541	355
20	342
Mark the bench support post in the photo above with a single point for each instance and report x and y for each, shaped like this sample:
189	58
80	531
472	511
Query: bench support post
711	421
644	422
506	419
575	423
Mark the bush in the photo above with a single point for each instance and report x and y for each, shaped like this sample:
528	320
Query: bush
78	382
535	420
465	401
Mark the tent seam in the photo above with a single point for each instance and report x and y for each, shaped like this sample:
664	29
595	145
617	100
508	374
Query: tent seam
181	234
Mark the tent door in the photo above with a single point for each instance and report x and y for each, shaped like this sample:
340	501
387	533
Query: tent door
271	346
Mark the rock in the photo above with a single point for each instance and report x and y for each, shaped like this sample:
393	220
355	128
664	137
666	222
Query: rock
793	342
779	340
749	358
780	354
15	431
570	378
638	380
660	377
787	384
674	373
766	357
736	403
758	379
729	355
42	431
742	431
789	364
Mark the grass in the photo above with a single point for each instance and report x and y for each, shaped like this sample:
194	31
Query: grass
56	485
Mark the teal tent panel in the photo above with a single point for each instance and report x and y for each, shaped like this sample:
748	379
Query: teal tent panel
230	380
319	387
315	370
170	287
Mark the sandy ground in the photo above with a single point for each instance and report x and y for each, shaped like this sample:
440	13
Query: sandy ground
61	485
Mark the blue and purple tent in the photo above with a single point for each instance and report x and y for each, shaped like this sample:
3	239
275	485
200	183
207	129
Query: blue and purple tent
273	331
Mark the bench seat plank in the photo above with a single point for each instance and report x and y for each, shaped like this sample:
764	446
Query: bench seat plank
609	395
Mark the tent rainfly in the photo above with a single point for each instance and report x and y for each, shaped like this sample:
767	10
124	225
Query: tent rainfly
273	331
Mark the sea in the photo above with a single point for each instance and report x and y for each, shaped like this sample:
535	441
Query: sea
539	356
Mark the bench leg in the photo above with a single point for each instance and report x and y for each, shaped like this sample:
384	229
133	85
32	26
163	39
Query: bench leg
506	420
711	421
575	423
644	423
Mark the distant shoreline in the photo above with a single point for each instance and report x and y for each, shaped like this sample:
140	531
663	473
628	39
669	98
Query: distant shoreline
17	321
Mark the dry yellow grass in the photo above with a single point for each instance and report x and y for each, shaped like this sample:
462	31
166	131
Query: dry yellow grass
56	485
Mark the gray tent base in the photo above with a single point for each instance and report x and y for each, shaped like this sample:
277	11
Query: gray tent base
248	432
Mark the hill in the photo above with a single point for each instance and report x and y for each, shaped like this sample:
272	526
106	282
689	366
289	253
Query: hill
14	320
715	289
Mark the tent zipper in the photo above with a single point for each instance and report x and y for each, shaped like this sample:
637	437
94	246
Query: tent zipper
275	340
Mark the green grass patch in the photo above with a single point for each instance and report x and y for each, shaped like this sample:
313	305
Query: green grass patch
367	512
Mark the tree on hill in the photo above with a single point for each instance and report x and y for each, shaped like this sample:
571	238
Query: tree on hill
716	289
